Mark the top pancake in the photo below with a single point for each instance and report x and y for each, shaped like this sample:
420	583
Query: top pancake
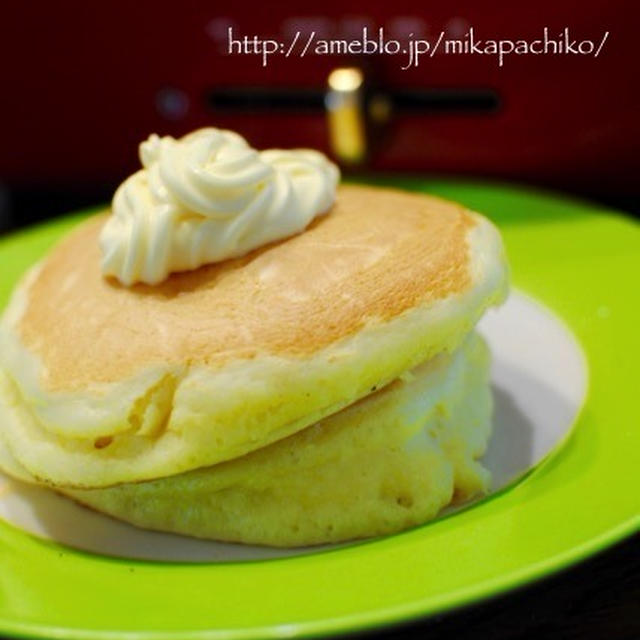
101	384
375	255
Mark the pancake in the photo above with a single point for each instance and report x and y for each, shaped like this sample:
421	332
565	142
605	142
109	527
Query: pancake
387	462
103	384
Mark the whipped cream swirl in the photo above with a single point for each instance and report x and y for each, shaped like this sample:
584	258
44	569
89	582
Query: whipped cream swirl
207	197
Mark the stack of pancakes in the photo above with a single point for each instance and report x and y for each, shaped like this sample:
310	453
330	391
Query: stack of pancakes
322	388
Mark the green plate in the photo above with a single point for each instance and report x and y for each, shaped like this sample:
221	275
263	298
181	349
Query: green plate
581	261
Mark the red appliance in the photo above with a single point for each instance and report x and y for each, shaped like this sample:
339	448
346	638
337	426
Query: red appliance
85	82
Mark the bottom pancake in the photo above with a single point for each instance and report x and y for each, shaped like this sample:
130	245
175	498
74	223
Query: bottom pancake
388	462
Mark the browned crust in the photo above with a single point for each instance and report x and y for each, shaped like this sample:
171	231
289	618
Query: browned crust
378	253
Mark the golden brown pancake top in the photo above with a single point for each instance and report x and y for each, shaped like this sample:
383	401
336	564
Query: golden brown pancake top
376	254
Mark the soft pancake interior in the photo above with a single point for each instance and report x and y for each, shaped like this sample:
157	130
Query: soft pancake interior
390	461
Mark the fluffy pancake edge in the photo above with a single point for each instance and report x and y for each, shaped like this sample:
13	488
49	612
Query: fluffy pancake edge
390	461
171	419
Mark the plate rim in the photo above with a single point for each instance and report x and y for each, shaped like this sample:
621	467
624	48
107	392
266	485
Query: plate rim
363	620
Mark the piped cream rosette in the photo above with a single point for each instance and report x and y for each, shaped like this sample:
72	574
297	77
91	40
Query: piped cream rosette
208	197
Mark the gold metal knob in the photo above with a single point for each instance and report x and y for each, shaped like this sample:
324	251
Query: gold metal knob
346	116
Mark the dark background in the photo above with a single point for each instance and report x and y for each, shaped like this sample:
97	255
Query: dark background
83	83
597	599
